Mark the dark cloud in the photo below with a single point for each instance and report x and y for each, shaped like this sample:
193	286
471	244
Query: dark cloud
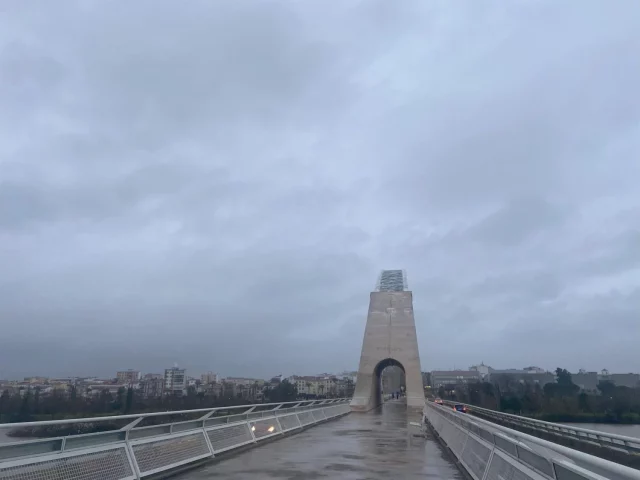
219	184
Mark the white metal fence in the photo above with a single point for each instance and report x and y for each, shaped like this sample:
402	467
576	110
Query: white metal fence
629	445
134	451
492	452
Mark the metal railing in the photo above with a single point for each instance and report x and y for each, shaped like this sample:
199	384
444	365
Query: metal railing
613	441
492	452
132	450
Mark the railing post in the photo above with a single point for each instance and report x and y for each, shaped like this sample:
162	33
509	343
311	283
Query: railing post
208	415
132	458
129	426
208	440
253	435
279	425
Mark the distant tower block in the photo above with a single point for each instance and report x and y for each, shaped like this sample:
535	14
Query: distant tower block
389	340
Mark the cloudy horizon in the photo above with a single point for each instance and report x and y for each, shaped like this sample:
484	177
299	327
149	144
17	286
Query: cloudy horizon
219	184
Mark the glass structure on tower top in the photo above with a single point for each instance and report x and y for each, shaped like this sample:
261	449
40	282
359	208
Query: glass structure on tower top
392	281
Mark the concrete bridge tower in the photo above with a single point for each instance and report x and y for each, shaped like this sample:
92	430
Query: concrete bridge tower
389	340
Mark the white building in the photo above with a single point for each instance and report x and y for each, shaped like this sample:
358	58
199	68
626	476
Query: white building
482	369
96	390
244	381
128	376
315	385
534	370
175	381
209	377
352	376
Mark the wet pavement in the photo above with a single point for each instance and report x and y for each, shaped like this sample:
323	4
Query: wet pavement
371	446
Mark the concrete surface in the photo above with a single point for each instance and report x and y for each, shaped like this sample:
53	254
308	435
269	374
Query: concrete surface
372	446
389	340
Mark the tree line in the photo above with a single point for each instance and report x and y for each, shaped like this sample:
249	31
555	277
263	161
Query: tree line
32	405
561	401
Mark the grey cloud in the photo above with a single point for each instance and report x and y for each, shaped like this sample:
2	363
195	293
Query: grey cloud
25	203
219	184
515	122
21	204
516	221
562	333
194	72
617	254
29	76
535	285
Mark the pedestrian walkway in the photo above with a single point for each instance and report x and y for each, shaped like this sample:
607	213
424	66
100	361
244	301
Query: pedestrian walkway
371	446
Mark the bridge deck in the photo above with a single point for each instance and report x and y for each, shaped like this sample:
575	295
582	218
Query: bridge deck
375	445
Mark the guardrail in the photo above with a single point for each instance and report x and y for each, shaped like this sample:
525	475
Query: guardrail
491	452
133	451
612	441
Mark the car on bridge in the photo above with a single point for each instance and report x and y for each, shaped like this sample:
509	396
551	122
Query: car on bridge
439	401
458	407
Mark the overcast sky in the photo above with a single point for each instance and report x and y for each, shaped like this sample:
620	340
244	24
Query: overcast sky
219	183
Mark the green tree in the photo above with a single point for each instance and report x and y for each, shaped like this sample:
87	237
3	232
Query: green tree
119	403
475	394
511	404
489	395
607	388
253	390
5	399
583	402
104	401
25	407
284	392
532	398
564	386
129	401
36	401
622	397
563	377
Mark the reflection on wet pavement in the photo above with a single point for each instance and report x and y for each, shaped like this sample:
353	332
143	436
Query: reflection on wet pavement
370	446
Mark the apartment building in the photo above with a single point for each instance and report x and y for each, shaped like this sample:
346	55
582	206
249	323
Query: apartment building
128	377
454	377
209	377
175	381
315	385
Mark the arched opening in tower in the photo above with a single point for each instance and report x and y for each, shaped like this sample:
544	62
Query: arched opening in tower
388	379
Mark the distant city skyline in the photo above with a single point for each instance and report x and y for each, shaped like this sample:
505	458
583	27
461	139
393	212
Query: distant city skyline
288	373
